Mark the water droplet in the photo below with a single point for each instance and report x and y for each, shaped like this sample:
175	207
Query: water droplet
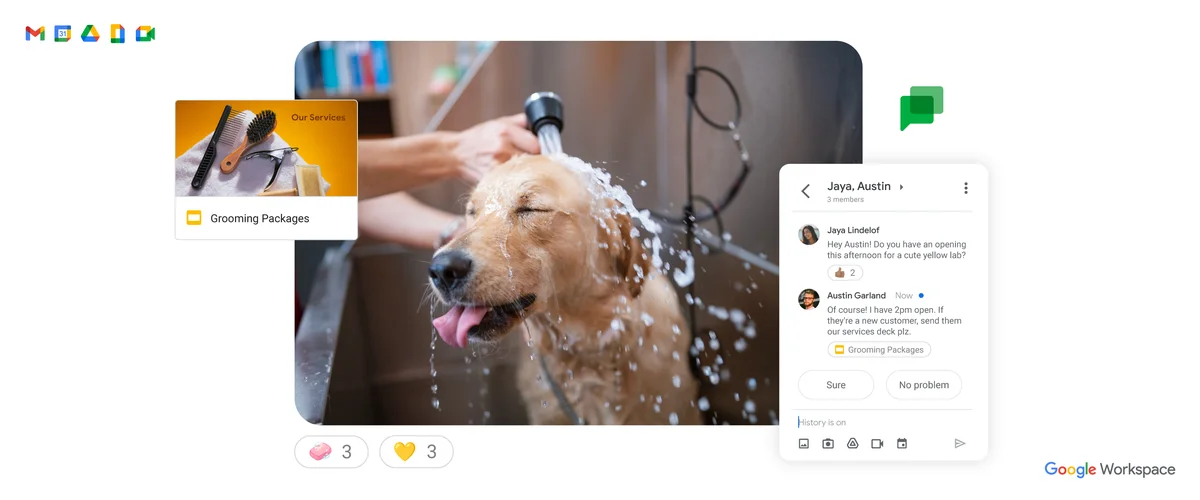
657	409
739	345
487	371
642	398
673	418
643	183
746	265
435	388
544	404
707	370
714	344
750	406
658	399
727	237
640	341
570	374
676	381
714	379
699	344
703	402
617	325
633	366
618	408
647	319
737	396
675	355
725	374
675	329
437	405
752	384
737	317
487	414
654	348
751	332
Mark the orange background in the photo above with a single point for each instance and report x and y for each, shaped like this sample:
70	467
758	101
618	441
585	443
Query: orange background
333	145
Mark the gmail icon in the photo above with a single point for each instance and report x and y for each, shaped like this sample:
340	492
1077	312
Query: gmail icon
193	217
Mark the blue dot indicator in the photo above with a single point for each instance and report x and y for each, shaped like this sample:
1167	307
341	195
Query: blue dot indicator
921	296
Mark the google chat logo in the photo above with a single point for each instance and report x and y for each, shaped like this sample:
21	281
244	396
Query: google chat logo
1079	471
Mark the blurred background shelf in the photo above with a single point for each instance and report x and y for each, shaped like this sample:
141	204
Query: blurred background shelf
394	99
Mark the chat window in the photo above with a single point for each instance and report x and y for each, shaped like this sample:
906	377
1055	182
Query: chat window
884	312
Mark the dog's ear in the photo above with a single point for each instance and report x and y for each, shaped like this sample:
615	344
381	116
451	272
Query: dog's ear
625	246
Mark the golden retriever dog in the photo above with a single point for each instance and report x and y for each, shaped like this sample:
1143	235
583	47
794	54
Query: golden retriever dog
545	248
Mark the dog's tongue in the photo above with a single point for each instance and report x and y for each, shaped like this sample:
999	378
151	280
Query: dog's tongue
453	326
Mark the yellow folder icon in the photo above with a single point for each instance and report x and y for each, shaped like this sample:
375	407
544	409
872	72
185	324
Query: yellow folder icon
839	349
193	217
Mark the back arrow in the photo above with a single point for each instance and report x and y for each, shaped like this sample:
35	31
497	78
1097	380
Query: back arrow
958	443
802	191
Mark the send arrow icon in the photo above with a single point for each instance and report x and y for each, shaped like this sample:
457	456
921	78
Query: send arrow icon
958	443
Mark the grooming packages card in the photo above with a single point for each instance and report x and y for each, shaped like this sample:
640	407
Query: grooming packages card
266	170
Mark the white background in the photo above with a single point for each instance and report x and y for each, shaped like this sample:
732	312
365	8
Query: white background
1085	117
329	217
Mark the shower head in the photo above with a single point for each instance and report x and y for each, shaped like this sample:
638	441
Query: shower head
544	113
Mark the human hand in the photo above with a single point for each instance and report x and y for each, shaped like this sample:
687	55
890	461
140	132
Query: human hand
488	144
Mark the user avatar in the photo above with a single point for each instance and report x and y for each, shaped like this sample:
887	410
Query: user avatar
809	299
809	235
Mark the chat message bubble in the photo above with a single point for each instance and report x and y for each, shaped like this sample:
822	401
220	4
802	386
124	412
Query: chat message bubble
884	311
920	106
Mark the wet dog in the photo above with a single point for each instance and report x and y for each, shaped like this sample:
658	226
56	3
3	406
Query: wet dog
548	251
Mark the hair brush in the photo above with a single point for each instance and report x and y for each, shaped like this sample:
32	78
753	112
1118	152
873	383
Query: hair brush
228	129
261	127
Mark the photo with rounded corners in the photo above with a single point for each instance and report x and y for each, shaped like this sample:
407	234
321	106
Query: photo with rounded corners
809	299
809	234
555	233
266	148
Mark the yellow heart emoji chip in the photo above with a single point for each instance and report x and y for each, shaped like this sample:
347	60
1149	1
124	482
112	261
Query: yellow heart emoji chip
405	450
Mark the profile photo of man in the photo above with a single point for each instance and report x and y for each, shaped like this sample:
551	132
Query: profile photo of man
809	235
809	299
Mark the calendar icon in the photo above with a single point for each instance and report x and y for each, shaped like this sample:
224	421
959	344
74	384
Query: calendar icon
62	33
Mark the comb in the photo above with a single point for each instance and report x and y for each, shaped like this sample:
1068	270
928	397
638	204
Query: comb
226	133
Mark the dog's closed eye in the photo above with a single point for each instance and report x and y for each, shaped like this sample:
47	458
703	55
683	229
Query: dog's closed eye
522	210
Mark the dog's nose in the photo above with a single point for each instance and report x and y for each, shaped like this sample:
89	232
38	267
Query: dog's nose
450	269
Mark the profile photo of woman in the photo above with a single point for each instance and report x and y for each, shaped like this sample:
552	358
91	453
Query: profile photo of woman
809	235
809	299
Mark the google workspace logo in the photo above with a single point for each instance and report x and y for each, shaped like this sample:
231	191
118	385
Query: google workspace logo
116	33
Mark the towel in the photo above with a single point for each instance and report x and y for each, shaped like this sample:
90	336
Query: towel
250	176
